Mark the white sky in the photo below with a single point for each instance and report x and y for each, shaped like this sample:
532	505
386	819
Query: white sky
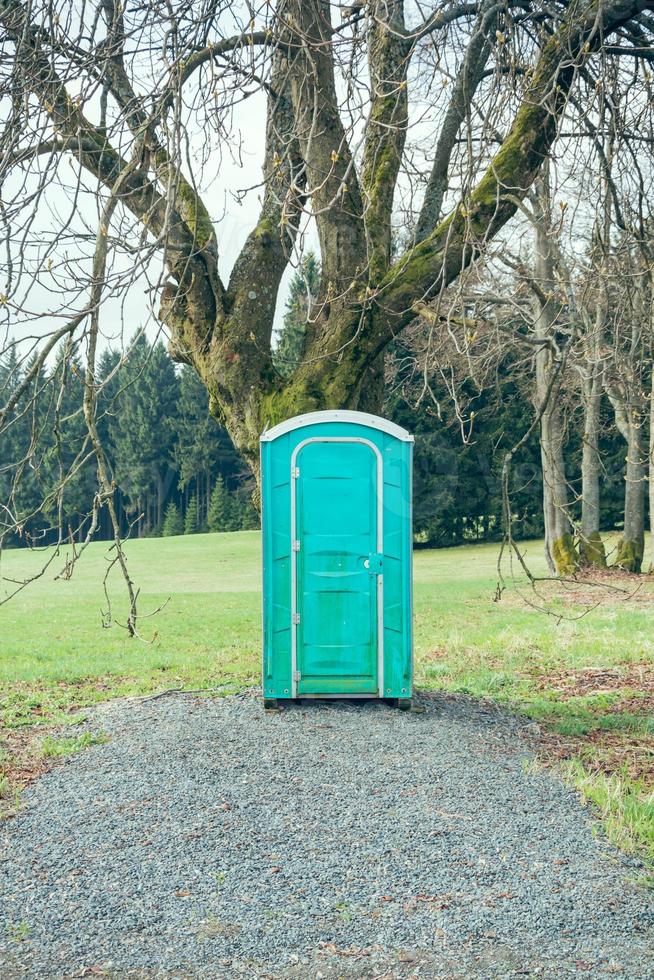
235	215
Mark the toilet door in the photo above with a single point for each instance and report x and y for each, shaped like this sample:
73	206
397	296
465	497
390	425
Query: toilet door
336	525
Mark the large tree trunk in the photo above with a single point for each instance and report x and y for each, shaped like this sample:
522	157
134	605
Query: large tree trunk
559	543
224	330
591	548
366	299
651	473
560	551
631	547
629	420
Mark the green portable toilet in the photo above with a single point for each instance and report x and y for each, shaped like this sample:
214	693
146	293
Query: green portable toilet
336	523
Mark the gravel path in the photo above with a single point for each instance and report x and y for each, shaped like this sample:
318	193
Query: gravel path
208	839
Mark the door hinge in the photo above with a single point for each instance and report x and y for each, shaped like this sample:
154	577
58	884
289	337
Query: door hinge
296	619
296	546
295	472
297	676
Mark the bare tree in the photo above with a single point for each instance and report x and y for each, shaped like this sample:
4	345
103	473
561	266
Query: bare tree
591	366
559	543
650	473
619	301
117	119
624	383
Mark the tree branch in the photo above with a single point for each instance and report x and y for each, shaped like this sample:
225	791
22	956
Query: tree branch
332	181
187	263
435	262
440	18
257	273
388	62
468	78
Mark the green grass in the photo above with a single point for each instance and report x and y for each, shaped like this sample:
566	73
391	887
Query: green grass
18	931
54	649
55	653
626	807
54	748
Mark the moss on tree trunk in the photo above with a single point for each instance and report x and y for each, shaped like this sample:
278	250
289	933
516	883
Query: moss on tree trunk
630	555
565	555
591	551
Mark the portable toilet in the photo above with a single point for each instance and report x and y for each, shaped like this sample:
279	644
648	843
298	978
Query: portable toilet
337	551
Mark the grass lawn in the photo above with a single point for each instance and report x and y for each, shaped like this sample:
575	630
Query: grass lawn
584	672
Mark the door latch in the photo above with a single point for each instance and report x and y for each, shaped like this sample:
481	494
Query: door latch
374	563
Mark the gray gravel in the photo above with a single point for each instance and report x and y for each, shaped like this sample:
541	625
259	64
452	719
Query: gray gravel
208	839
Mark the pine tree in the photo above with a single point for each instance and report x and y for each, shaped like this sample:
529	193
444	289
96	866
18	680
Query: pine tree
28	434
110	386
14	440
67	487
191	524
303	291
220	510
144	430
249	519
233	513
173	523
202	448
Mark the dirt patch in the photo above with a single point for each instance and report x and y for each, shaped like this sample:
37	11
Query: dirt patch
24	761
622	755
637	677
611	584
439	653
611	587
612	753
633	706
21	757
608	753
21	762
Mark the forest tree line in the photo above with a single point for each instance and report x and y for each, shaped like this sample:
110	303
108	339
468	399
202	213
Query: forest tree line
550	365
176	470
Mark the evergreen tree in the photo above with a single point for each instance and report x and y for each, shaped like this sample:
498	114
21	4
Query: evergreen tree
457	484
303	292
173	523
162	441
223	515
67	486
14	440
110	385
202	448
26	436
144	430
191	524
248	517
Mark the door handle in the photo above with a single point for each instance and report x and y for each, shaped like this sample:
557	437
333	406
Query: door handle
374	564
